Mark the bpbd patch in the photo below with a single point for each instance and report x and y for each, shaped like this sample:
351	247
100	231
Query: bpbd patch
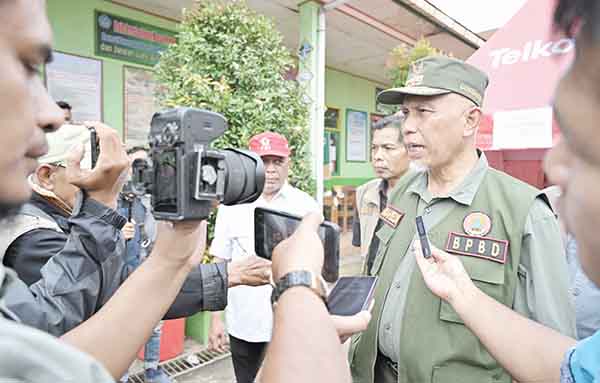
481	247
391	216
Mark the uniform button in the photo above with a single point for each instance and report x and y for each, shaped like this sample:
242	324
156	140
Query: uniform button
398	284
427	210
388	327
576	291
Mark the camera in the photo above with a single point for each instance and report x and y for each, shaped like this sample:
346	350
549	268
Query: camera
185	176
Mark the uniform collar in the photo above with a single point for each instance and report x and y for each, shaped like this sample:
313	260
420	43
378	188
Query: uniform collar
373	194
464	193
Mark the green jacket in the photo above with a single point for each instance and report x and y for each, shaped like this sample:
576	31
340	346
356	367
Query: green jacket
435	344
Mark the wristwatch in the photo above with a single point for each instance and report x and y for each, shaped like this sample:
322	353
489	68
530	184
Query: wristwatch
300	278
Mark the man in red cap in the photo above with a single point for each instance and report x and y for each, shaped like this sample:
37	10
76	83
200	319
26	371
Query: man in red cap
249	313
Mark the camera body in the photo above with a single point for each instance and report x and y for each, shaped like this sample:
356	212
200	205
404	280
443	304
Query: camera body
185	176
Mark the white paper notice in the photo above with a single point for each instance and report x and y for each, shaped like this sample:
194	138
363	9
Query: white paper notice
523	129
78	81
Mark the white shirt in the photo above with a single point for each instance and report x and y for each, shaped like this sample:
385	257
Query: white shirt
249	313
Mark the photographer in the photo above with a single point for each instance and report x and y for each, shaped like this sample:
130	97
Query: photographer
47	226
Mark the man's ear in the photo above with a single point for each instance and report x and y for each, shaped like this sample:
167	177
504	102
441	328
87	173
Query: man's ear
45	174
472	119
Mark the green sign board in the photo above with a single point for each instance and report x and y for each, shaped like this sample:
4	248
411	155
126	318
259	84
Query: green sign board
129	40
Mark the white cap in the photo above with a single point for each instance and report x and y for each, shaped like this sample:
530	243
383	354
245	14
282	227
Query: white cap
62	143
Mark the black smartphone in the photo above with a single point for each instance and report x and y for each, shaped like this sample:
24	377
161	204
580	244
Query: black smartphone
351	295
273	226
95	147
423	237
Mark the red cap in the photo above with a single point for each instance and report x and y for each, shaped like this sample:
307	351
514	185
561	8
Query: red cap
270	144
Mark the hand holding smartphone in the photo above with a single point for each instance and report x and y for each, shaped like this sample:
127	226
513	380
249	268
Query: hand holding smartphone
273	226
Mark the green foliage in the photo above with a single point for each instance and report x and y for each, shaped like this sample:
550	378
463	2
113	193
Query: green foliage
230	60
402	56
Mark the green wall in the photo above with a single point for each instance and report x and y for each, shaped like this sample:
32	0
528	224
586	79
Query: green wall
73	26
344	91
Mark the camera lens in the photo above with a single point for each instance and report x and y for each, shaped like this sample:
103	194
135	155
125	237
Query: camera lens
244	176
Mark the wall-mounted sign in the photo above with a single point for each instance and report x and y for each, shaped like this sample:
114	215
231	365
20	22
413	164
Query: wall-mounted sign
129	40
78	81
356	136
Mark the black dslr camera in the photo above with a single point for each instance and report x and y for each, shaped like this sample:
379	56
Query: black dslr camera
185	176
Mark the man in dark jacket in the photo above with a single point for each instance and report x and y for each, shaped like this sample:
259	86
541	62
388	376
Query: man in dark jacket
49	224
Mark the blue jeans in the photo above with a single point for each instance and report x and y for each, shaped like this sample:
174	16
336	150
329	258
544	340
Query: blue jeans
152	348
151	351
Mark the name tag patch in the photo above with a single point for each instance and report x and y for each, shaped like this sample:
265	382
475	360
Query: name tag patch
481	247
391	216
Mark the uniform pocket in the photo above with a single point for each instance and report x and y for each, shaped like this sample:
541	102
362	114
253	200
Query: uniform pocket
488	276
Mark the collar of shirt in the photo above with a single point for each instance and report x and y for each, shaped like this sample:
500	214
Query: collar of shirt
464	193
282	193
376	193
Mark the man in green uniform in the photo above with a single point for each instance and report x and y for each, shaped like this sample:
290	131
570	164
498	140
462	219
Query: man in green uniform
503	229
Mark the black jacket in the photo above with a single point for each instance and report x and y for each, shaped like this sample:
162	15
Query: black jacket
66	277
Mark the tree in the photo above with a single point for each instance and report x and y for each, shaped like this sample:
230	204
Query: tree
230	60
402	56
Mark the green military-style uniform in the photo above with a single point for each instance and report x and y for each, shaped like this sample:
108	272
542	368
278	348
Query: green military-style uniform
509	242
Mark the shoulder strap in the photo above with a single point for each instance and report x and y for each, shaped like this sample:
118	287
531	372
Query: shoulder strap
29	218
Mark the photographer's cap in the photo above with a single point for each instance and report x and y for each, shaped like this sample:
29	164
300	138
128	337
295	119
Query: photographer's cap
436	75
63	142
270	144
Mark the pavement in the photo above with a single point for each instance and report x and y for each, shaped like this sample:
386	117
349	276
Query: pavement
221	371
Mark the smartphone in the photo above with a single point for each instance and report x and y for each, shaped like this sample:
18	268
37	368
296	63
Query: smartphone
95	147
423	237
273	226
351	295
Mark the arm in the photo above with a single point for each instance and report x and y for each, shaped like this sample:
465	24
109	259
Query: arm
543	282
303	332
217	338
67	291
177	251
31	251
529	351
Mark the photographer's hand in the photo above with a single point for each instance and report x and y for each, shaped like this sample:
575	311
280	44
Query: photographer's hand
302	251
303	333
250	271
180	243
105	181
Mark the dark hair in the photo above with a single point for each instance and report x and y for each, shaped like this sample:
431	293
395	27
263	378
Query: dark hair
135	149
393	120
63	105
570	14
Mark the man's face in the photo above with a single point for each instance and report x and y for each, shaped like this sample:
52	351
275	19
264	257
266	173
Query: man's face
54	179
435	128
276	173
26	110
574	164
388	153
